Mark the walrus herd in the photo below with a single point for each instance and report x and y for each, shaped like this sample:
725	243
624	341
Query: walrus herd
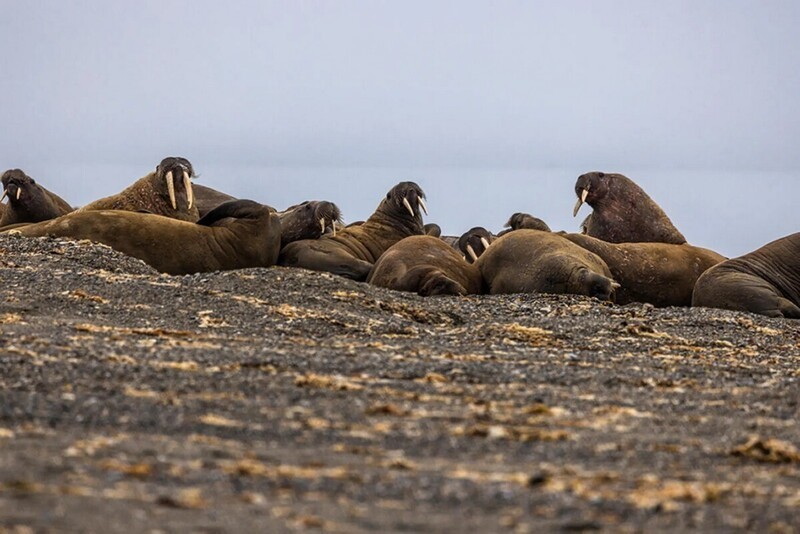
628	249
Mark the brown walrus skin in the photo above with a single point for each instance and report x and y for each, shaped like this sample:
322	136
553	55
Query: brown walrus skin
659	273
425	265
533	261
353	250
765	281
520	220
235	235
167	191
207	198
28	202
622	211
309	220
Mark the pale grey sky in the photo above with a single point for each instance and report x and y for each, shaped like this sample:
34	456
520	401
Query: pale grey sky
304	95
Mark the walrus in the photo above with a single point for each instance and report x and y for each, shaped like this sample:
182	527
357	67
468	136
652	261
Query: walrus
207	198
432	229
425	265
765	281
622	211
352	251
474	242
166	191
308	220
520	220
235	235
28	202
662	274
533	261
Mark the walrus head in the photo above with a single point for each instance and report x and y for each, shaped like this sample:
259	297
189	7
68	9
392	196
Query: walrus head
587	282
16	186
309	220
404	200
433	229
527	221
591	187
474	242
177	174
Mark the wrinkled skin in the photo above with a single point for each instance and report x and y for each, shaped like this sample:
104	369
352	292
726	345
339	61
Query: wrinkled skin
474	242
765	281
352	251
308	220
28	202
532	261
623	212
235	235
150	194
427	266
659	273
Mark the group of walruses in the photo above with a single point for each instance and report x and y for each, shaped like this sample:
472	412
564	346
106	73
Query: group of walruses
629	250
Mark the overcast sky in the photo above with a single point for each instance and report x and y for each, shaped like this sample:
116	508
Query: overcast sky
282	101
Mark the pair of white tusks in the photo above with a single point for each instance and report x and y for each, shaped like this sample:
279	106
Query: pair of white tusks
322	225
580	202
471	251
5	194
422	206
187	183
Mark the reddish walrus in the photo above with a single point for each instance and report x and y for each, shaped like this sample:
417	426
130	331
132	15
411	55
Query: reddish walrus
353	250
533	261
235	235
622	211
425	265
765	281
659	273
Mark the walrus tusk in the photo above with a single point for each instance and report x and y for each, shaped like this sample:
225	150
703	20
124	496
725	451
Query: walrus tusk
19	192
422	205
407	204
333	225
187	183
472	254
615	285
171	189
322	224
5	194
485	242
580	202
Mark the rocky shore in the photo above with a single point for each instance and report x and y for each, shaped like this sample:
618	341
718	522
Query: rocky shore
279	400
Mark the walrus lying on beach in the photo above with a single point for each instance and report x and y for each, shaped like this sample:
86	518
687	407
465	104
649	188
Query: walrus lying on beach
519	221
622	211
235	235
166	191
309	220
354	249
765	281
425	265
662	274
28	202
533	261
474	242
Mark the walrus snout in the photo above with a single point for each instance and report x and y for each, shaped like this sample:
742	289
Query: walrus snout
175	170
410	196
329	215
474	243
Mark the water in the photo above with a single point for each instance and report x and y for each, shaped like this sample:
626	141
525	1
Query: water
730	212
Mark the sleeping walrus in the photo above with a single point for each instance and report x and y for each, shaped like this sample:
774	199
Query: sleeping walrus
533	261
235	235
28	202
166	191
353	250
765	281
425	265
622	211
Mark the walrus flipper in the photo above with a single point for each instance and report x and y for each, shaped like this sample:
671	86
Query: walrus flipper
238	209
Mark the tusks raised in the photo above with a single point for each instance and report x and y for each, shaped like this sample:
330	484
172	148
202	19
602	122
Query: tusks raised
187	184
471	253
422	206
580	202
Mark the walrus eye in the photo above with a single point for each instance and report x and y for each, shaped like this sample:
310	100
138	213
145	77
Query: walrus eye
601	175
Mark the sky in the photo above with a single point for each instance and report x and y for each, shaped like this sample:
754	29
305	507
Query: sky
492	107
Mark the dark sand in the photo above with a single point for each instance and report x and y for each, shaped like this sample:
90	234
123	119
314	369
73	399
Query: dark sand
278	400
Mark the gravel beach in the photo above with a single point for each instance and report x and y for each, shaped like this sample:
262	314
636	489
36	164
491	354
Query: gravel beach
278	399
